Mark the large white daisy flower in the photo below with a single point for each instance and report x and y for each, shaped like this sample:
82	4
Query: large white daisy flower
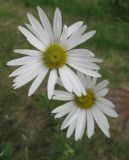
84	110
54	54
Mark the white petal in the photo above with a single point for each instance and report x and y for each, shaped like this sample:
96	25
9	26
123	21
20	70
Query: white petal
74	27
51	83
84	70
93	82
90	123
63	107
82	62
71	113
77	86
88	79
28	52
65	80
57	25
30	28
97	60
107	110
39	36
70	118
46	23
82	39
80	125
101	116
71	129
71	81
24	69
82	78
102	93
39	79
23	60
39	29
59	82
101	85
32	39
27	78
64	111
27	71
84	81
80	53
63	37
19	70
83	57
106	102
62	96
101	120
72	39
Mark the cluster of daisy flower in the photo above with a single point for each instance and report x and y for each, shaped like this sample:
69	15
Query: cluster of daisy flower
75	70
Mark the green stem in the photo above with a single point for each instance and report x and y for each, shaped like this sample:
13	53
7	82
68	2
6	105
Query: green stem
26	153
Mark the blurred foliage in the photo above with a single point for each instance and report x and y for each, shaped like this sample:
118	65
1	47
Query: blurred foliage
6	152
120	9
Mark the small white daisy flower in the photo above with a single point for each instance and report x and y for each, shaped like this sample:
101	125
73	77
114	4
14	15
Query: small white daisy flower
54	54
85	109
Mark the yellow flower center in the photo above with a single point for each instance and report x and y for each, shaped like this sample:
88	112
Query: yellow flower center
54	56
85	101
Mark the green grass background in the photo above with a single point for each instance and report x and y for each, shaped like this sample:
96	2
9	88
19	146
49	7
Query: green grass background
27	129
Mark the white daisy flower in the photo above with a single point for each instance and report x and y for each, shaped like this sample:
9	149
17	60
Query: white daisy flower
54	55
84	110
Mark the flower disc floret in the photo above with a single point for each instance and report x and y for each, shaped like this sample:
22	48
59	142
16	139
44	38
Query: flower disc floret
85	101
54	56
